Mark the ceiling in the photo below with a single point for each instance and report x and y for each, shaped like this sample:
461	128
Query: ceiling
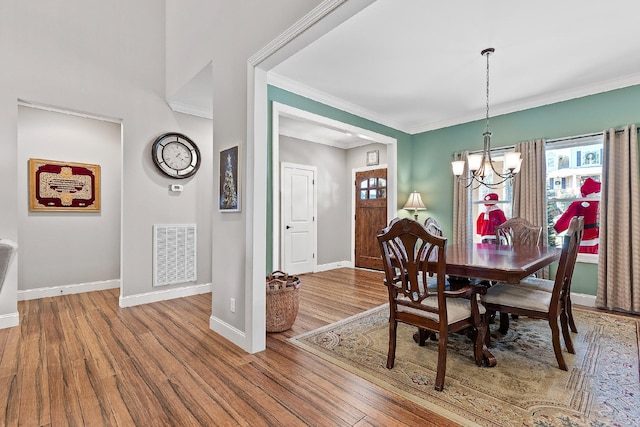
415	65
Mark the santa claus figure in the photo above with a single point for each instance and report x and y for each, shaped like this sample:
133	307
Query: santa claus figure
487	221
587	209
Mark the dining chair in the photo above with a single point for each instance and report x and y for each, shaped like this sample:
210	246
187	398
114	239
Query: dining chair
536	303
407	251
518	231
433	227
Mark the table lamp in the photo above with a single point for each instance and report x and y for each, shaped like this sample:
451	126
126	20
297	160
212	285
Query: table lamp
415	203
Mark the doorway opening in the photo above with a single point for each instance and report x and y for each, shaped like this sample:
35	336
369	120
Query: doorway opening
281	111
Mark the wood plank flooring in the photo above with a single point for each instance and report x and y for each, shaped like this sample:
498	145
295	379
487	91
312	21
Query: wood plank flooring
80	360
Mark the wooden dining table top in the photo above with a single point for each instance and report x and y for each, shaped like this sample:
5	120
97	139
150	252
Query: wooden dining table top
498	262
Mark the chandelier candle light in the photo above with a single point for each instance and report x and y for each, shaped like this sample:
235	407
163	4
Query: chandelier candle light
415	203
481	165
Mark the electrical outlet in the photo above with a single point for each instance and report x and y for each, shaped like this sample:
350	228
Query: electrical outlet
233	305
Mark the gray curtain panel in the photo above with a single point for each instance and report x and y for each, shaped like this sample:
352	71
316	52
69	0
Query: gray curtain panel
530	187
619	251
462	225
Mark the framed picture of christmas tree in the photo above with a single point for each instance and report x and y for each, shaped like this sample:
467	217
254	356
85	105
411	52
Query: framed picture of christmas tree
229	200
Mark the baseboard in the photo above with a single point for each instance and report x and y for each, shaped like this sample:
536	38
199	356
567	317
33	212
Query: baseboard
56	291
9	320
229	332
583	299
163	295
333	266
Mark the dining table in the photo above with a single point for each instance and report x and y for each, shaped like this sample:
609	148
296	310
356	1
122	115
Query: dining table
497	263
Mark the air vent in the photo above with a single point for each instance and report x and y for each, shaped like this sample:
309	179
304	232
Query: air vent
174	254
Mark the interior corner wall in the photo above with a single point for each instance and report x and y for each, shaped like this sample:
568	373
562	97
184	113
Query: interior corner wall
430	162
68	248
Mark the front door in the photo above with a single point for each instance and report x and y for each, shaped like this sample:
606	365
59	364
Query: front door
298	218
371	217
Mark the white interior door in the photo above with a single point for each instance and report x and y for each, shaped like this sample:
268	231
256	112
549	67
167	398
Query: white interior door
298	218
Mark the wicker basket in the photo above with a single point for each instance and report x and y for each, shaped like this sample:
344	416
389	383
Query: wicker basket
282	301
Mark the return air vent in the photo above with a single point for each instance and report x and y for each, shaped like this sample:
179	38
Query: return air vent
174	254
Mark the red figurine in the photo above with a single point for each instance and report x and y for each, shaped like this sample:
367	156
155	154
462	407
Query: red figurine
487	221
589	210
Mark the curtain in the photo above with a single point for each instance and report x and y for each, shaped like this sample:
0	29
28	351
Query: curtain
619	251
462	225
530	187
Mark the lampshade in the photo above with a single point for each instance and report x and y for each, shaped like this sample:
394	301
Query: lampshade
414	203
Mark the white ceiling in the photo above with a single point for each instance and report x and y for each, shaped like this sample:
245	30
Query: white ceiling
415	65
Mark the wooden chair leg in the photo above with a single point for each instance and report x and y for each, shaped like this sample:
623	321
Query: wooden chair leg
391	355
421	336
442	361
572	323
479	342
565	332
504	323
555	339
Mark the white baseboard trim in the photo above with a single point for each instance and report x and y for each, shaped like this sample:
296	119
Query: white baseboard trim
165	294
9	320
56	291
333	266
229	332
583	299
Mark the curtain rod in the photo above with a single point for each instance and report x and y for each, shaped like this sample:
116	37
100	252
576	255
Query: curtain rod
553	141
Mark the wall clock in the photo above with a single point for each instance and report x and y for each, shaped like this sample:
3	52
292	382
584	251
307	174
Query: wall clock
175	155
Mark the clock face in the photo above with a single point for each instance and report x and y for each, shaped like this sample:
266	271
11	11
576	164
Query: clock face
176	155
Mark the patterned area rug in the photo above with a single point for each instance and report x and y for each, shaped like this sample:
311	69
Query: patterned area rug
526	388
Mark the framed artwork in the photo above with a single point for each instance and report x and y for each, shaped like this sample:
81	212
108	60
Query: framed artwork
63	186
373	157
229	198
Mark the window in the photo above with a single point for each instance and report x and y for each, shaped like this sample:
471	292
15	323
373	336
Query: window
574	173
373	188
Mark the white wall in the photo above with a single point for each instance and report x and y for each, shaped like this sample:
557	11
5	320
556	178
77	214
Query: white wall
106	59
62	248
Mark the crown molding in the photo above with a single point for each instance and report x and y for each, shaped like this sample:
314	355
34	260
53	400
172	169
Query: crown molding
498	110
533	102
307	21
192	110
332	101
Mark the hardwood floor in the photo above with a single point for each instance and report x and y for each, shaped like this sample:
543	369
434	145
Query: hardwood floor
81	360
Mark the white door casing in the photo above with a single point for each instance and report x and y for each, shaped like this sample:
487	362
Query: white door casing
298	225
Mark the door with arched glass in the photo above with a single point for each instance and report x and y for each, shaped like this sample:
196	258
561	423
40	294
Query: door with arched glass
371	216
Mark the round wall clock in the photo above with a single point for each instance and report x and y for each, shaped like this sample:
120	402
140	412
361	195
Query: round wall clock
176	155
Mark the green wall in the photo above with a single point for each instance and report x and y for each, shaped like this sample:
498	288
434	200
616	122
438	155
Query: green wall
432	151
275	94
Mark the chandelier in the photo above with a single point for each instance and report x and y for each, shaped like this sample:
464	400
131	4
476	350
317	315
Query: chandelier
481	165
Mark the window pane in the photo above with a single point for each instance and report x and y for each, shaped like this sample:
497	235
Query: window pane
574	173
363	183
372	194
382	193
363	195
372	182
382	182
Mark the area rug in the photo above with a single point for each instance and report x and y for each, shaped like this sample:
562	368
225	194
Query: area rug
526	388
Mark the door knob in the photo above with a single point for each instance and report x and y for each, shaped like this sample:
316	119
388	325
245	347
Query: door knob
288	227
